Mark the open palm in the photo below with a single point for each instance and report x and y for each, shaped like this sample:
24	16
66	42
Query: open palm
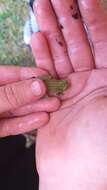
71	149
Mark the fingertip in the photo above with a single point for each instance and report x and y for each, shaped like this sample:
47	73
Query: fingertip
37	41
44	117
56	104
38	120
38	88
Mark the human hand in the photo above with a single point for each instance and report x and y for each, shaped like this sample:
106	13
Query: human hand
71	149
22	105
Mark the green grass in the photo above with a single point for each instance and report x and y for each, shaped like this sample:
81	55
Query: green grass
13	14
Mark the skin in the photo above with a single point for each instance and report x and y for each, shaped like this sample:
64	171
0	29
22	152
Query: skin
22	107
71	151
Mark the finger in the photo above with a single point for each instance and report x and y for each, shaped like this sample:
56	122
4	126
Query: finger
74	34
22	124
48	25
50	104
95	17
9	74
41	53
20	93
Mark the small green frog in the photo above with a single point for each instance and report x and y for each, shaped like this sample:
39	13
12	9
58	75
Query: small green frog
55	86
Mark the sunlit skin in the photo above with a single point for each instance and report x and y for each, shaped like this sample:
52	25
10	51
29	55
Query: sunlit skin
71	150
23	108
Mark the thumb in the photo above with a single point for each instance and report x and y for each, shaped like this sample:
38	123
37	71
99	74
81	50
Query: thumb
20	93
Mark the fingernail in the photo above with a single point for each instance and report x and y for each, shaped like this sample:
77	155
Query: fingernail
36	88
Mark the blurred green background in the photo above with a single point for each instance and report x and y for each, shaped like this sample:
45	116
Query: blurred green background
13	14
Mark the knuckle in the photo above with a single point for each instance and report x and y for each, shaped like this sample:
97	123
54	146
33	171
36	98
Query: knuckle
11	96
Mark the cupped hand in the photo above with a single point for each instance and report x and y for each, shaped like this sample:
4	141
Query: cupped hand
23	105
71	149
